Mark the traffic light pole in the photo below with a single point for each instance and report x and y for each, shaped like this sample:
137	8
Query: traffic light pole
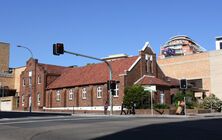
110	75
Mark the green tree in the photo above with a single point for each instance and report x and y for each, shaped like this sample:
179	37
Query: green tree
136	94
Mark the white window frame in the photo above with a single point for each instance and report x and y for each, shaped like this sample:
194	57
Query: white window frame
39	79
23	82
99	92
58	95
30	81
116	91
71	94
84	92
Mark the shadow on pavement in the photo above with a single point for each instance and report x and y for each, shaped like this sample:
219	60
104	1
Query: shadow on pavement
188	130
5	114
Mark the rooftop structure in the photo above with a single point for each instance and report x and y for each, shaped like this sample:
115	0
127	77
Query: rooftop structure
179	45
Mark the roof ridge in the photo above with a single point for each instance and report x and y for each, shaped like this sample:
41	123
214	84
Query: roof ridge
51	65
107	61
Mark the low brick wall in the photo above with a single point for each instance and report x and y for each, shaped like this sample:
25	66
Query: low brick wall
171	111
155	111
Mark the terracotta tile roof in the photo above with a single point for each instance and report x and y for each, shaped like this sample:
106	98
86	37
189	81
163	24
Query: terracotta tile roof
53	68
173	81
92	74
151	80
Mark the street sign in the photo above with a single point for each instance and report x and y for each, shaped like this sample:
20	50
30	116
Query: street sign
150	88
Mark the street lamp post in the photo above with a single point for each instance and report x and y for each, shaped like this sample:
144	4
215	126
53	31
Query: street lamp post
19	46
30	96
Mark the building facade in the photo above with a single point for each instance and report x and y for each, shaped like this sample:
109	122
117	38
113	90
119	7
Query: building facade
84	89
6	75
33	82
202	70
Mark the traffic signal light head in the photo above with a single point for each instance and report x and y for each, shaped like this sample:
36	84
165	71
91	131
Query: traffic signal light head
58	48
111	84
183	84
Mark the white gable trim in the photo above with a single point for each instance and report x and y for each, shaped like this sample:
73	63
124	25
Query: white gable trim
137	60
142	78
139	79
147	44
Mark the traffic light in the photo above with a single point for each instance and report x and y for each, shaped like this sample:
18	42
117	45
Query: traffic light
183	84
111	84
58	48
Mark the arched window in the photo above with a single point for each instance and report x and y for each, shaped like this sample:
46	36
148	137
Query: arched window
149	63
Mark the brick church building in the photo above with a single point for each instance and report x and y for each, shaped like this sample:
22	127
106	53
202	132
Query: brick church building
34	80
56	88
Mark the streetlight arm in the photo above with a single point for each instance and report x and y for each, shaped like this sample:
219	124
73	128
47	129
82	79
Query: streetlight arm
27	49
82	55
77	54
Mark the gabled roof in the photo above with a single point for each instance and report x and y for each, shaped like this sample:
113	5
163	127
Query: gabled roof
92	74
151	80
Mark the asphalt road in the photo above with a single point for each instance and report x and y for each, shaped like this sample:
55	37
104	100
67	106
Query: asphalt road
105	127
11	114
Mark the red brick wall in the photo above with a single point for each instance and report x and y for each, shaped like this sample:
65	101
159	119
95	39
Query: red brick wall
27	89
37	70
78	101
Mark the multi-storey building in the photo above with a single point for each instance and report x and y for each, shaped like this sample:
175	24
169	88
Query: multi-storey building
179	45
203	70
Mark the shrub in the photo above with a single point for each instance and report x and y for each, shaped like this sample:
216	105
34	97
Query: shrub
212	102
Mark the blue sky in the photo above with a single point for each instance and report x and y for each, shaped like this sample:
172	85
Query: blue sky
103	27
